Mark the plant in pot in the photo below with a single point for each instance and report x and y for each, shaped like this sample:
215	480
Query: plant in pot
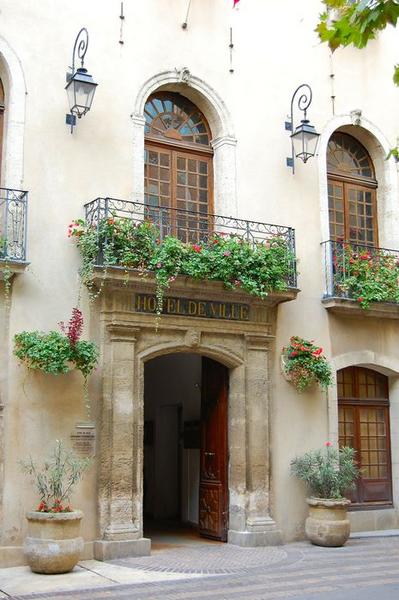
54	544
303	364
57	353
329	474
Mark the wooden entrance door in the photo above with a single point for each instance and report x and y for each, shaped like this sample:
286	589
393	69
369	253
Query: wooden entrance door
213	488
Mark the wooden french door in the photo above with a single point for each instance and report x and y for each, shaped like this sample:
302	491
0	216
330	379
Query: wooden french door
213	487
363	410
352	212
182	181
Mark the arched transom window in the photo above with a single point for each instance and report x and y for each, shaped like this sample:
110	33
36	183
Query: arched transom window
363	409
178	164
351	191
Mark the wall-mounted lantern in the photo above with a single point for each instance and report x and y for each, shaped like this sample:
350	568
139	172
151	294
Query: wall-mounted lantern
81	86
305	137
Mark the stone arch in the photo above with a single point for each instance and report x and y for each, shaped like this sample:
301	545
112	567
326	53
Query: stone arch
378	146
13	77
220	122
387	365
222	355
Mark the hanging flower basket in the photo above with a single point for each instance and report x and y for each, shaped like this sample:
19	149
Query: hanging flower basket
303	365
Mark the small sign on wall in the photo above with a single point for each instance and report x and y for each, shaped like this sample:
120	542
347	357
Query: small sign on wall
83	439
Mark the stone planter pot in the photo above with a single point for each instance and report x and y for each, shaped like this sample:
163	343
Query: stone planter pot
53	544
327	523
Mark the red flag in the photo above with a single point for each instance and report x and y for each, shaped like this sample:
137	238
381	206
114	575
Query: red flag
235	3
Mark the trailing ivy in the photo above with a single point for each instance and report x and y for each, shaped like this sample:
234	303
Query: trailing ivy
255	267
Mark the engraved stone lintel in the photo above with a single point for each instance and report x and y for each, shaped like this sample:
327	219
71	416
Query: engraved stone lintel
122	332
121	531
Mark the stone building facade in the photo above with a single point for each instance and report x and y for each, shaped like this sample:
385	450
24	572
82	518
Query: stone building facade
236	72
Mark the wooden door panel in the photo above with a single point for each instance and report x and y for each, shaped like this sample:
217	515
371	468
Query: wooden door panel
211	510
213	491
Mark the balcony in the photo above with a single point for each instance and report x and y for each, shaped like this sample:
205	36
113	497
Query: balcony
361	280
193	228
13	220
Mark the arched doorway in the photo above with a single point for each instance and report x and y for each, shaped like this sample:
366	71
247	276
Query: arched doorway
352	198
363	414
185	445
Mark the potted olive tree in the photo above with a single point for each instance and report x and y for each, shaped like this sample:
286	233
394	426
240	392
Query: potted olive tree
54	544
329	474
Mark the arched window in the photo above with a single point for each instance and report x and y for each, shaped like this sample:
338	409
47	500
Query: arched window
178	164
363	414
351	192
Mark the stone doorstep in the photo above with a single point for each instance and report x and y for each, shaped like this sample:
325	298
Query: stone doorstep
372	534
88	574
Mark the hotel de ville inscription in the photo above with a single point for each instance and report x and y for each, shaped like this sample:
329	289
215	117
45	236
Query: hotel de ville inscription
208	309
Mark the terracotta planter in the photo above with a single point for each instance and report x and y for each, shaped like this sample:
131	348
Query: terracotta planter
53	544
327	523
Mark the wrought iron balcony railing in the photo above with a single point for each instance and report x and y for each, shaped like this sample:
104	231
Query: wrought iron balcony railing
192	227
13	221
342	260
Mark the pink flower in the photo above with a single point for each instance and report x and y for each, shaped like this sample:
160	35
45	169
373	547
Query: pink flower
159	265
196	248
73	329
226	253
328	444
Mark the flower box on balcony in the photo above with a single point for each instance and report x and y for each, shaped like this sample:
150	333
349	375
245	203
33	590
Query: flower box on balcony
125	239
361	280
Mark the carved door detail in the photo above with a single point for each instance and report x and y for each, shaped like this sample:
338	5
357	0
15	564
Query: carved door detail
213	489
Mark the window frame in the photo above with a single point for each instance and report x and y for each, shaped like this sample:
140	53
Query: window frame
186	150
356	402
347	181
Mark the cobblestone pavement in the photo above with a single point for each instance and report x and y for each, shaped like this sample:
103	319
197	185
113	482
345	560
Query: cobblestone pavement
364	569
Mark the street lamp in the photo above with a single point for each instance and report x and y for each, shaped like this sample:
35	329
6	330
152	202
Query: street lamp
81	86
305	137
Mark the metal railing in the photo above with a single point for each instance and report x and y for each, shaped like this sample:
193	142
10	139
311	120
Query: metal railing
190	226
13	221
338	260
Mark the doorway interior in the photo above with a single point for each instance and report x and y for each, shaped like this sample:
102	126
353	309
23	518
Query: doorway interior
185	449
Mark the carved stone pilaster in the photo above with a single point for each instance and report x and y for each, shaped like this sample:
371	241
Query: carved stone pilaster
120	520
260	527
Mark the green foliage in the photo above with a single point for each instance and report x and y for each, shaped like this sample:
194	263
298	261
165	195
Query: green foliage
357	23
305	364
56	478
329	473
52	352
367	275
257	268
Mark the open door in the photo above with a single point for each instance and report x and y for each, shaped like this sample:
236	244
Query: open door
213	488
